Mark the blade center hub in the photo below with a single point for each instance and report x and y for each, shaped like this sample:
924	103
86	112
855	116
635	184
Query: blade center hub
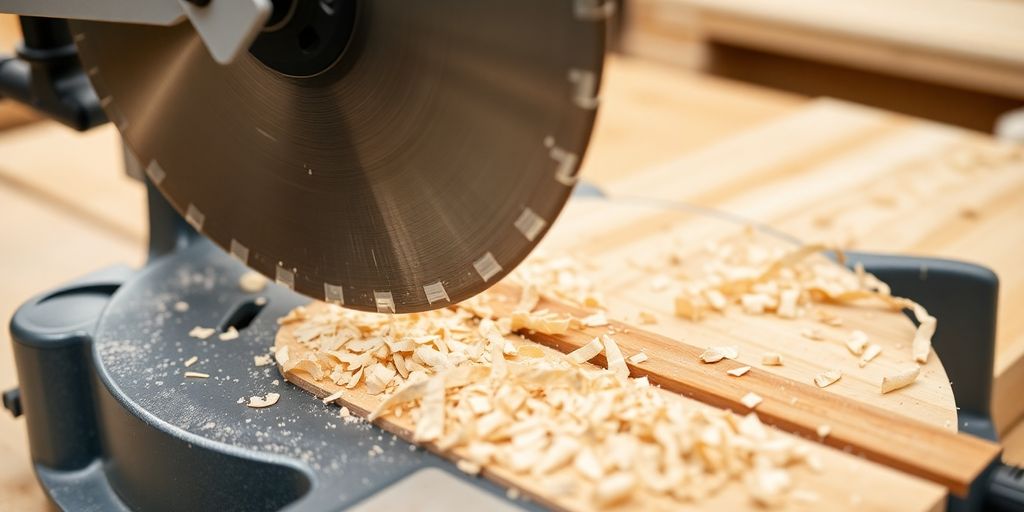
305	38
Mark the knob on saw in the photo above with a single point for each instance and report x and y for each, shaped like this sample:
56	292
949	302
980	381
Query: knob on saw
385	155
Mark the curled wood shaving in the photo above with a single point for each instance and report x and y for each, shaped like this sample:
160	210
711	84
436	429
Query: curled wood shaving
827	378
857	342
771	359
545	322
616	363
201	332
739	371
899	380
716	354
228	335
870	354
252	282
751	400
637	358
259	402
528	299
586	352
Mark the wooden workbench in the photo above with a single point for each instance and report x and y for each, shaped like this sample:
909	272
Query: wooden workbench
68	209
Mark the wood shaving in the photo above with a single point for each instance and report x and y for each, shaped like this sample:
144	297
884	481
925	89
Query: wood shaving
191	361
228	335
823	431
586	352
616	363
545	322
921	347
899	380
528	299
262	360
637	358
562	277
201	332
827	378
197	375
857	342
252	282
614	489
181	306
716	354
468	467
334	396
751	400
259	402
870	354
739	371
771	359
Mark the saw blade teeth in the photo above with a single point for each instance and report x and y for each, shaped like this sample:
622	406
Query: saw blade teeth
487	267
249	153
384	301
565	173
586	88
285	277
435	293
195	217
530	224
239	251
155	172
334	293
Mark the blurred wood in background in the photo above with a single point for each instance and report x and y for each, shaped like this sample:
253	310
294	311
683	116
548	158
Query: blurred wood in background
11	113
956	61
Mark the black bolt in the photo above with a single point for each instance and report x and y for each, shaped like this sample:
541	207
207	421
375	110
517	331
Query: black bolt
199	3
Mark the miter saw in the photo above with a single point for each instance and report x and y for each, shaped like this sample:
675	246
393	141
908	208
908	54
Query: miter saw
384	155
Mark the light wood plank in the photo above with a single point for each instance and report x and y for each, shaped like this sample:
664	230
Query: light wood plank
894	440
885	183
848	483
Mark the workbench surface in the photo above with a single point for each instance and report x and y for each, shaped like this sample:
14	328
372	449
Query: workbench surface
69	209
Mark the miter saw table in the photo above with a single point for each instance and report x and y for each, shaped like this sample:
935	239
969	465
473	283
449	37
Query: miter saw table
114	426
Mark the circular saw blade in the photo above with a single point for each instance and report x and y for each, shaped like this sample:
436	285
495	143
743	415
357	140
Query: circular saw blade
414	173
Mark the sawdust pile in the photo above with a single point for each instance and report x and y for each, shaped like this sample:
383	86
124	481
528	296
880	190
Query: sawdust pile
501	403
770	279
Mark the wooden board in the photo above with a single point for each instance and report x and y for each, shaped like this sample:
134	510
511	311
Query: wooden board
796	406
848	483
616	239
875	181
974	44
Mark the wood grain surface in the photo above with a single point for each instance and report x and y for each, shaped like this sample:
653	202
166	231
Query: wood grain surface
895	439
973	44
870	180
848	483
